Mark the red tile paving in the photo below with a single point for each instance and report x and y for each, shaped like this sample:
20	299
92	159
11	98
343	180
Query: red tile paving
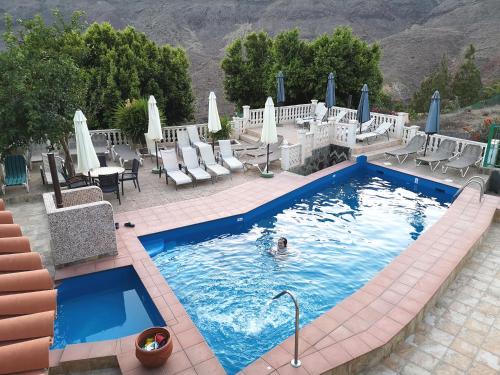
360	324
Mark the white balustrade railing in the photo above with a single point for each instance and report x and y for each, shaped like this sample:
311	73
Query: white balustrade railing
436	139
116	136
291	156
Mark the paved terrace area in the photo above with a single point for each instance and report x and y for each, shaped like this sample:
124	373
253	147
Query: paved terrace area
154	192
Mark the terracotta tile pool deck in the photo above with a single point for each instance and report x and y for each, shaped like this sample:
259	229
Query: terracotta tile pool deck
357	332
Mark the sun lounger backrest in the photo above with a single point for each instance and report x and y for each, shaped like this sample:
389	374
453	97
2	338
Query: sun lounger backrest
472	152
448	146
416	142
194	137
225	148
182	139
15	166
367	125
320	111
190	158
340	116
207	154
169	159
383	128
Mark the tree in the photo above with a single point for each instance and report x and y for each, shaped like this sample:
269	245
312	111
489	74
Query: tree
251	64
41	84
293	57
248	69
439	80
466	85
125	64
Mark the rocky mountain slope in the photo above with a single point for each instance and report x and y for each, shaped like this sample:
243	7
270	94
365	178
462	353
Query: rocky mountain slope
413	34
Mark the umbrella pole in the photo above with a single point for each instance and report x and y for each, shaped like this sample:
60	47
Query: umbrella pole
157	164
426	144
213	142
267	162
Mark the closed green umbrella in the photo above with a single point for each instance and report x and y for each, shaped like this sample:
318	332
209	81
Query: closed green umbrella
330	91
432	125
363	114
280	90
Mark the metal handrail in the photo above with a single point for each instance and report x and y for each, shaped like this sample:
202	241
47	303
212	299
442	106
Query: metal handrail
474	179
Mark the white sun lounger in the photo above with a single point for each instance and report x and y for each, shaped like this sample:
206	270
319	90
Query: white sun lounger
194	137
340	116
171	168
381	130
365	126
182	141
211	165
227	156
318	115
192	165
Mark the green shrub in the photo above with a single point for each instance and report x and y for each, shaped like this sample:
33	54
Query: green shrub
131	117
225	132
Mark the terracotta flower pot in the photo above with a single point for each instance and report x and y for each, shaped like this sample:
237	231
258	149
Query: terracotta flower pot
157	357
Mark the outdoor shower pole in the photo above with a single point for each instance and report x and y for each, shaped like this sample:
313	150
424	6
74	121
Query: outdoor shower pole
55	180
295	362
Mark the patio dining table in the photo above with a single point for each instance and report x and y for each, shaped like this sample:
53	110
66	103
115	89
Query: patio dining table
94	173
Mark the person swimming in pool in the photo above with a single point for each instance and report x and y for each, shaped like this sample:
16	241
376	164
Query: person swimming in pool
281	247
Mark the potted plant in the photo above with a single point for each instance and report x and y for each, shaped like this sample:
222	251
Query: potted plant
153	346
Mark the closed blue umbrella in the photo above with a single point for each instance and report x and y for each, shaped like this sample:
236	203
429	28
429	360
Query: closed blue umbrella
363	114
432	125
330	91
280	90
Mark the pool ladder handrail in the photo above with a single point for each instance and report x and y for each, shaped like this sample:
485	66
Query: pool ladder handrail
295	362
477	180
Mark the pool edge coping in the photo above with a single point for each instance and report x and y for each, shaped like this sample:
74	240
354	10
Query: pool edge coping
132	253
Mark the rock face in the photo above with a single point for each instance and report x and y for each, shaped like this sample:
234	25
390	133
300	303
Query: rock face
413	34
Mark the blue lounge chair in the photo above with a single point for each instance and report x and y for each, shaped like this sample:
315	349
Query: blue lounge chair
15	172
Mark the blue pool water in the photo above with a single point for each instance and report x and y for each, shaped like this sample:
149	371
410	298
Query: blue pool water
102	306
340	234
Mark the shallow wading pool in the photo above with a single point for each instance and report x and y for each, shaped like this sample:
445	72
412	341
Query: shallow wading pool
342	229
102	306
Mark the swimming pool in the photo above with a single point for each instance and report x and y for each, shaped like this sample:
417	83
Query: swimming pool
102	306
341	231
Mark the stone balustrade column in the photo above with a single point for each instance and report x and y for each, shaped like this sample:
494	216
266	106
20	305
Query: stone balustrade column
285	155
412	132
400	123
352	128
246	117
314	103
302	140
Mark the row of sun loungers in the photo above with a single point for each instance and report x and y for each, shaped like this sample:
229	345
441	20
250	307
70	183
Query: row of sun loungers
445	153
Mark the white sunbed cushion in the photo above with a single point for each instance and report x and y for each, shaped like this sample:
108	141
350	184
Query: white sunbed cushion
218	170
199	174
199	144
363	136
179	177
233	163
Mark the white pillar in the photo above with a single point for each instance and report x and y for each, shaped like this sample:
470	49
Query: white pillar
246	117
314	103
285	155
352	128
301	136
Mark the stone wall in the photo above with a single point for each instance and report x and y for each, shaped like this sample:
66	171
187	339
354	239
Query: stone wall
322	158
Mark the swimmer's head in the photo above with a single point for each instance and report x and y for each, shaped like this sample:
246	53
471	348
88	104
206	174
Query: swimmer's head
282	243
